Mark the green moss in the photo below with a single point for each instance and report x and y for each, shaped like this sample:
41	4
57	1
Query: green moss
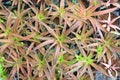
61	11
107	43
79	57
36	36
86	60
61	38
20	44
7	31
60	59
80	37
16	41
95	2
41	16
99	49
3	74
57	74
1	59
86	13
41	60
117	43
71	62
2	20
40	64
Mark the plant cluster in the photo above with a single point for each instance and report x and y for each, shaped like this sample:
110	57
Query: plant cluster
59	40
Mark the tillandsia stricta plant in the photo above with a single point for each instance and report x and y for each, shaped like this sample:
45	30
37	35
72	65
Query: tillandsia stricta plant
108	24
108	45
61	12
83	62
16	61
59	40
39	65
82	35
111	68
89	13
10	31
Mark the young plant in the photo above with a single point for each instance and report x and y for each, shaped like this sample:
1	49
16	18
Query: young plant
61	12
82	36
16	62
41	13
58	40
111	69
83	62
11	29
3	75
108	24
40	66
17	2
89	14
108	46
109	43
